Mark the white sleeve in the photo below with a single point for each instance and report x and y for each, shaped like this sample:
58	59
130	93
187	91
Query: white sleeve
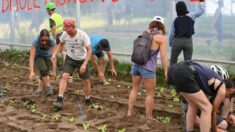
86	39
63	36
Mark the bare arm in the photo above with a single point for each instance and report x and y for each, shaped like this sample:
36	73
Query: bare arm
88	56
94	61
31	62
220	96
161	40
54	63
55	51
111	63
31	58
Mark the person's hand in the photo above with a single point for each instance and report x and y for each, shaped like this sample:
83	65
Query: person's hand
113	72
82	68
231	119
31	76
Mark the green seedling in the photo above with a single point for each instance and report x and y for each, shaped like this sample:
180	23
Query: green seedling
164	120
103	128
112	97
33	108
139	94
110	80
15	79
159	95
72	120
78	92
2	93
176	99
85	126
129	87
118	86
170	105
122	130
161	89
56	117
173	93
98	107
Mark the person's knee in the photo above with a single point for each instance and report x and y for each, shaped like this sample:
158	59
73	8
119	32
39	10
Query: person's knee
44	73
223	125
207	108
65	76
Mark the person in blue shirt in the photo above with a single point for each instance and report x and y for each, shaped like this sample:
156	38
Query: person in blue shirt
182	29
40	54
99	44
196	83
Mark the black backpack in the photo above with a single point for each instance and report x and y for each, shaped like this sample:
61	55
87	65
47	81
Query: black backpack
141	50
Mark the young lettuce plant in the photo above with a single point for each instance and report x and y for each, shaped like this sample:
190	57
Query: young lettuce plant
86	126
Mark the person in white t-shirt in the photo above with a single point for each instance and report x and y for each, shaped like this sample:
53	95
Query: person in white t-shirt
77	43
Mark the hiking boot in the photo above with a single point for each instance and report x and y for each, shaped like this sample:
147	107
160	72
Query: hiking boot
59	103
49	90
39	93
89	103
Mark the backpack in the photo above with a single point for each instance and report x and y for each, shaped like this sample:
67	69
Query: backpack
141	50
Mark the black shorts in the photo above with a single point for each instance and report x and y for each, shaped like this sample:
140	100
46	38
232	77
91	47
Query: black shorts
183	78
70	65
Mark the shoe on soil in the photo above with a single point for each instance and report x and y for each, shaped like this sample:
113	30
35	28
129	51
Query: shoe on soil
59	103
39	93
49	90
89	103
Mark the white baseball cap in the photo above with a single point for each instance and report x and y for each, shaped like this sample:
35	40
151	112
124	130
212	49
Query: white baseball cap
158	19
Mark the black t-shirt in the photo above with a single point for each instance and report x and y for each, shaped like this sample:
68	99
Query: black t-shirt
204	74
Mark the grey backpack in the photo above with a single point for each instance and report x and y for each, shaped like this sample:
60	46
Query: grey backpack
141	50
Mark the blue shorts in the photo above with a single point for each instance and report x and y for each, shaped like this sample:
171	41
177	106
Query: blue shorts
140	71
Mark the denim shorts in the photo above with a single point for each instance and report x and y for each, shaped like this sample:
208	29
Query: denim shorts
137	70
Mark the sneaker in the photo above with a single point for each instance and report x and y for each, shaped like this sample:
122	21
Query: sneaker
49	90
59	103
88	103
39	93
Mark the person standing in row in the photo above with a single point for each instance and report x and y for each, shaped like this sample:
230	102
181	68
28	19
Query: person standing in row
147	71
55	25
182	29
